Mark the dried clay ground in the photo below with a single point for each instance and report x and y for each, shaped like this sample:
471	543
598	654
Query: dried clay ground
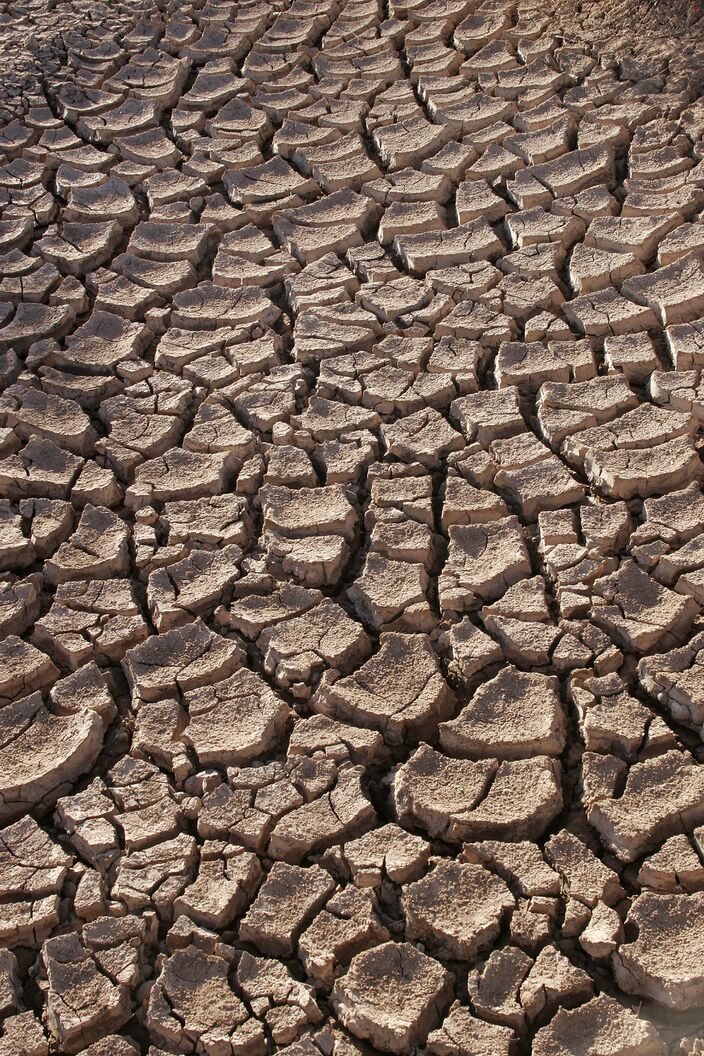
351	528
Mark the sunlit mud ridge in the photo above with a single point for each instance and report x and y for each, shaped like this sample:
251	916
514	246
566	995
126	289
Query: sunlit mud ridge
351	532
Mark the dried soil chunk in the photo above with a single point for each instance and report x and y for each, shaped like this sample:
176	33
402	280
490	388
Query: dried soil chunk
483	561
86	818
524	798
297	651
603	933
101	343
337	814
521	864
530	365
662	796
286	903
216	429
576	170
111	1045
151	147
391	595
392	995
23	1034
226	882
674	517
112	199
169	242
526	642
567	409
643	427
10	985
32	323
183	659
600	1027
39	470
158	736
33	869
610	719
232	722
346	926
408	142
677	681
462	1034
608	312
60	747
96	619
513	716
335	223
260	602
192	587
424	437
684	345
340	165
431	789
553	981
264	399
535	226
180	474
477	322
542	483
148	809
337	740
471	649
593	269
217	520
387	852
676	867
31	412
401	498
192	1002
153	877
23	669
488	416
639	612
267	183
304	512
285	1004
629	473
310	547
210	306
675	292
79	248
16	550
493	989
82	1003
584	876
633	355
399	691
98	548
441	249
456	909
664	963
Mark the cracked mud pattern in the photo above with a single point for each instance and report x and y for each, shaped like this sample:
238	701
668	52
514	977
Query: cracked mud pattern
351	532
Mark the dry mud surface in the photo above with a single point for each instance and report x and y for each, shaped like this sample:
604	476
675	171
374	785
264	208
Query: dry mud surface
351	530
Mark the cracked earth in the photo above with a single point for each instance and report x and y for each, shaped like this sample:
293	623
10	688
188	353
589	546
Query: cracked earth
351	530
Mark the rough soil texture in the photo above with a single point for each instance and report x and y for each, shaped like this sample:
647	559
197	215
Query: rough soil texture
351	528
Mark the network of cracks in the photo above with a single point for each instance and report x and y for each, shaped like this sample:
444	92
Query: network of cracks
351	534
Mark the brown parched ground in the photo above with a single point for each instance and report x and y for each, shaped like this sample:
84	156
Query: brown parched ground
351	528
